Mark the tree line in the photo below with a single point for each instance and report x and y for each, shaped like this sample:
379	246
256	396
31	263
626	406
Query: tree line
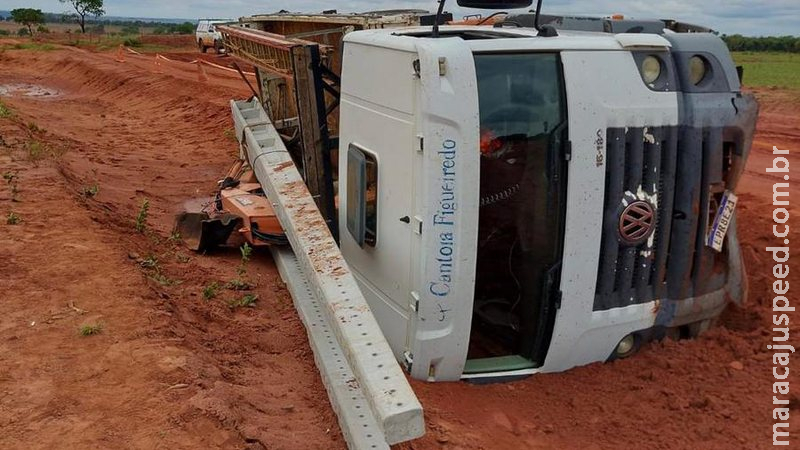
88	12
32	19
739	43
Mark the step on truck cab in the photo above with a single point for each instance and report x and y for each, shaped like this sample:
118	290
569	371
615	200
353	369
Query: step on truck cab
514	201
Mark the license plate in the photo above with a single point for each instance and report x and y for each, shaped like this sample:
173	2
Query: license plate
716	236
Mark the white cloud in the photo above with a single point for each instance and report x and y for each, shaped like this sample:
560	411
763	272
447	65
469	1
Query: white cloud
751	17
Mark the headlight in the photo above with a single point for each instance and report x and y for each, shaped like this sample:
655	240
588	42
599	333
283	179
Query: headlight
651	69
697	70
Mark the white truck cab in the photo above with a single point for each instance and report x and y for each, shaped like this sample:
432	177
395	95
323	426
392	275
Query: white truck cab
207	36
514	202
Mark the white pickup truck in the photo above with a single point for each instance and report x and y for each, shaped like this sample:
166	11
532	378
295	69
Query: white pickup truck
207	36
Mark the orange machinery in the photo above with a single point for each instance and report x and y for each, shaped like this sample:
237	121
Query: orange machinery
240	211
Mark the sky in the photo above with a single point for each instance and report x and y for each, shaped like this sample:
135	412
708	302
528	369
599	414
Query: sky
748	17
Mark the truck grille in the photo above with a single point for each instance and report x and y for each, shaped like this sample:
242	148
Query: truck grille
680	171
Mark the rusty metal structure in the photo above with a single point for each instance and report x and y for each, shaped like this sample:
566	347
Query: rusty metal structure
297	60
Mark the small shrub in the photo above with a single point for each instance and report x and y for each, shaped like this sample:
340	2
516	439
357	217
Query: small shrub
211	291
230	134
90	330
14	192
4	33
13	219
23	32
132	42
5	113
42	29
151	262
33	128
248	301
239	285
130	29
91	191
141	217
37	150
163	280
246	252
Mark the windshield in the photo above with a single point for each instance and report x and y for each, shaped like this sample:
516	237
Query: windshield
519	94
522	117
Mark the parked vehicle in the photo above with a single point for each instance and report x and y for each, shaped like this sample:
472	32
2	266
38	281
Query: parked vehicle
207	35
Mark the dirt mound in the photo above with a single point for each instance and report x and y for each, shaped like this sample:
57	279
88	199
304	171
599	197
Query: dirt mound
174	362
186	40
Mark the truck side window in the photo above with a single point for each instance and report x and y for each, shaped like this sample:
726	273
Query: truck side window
362	196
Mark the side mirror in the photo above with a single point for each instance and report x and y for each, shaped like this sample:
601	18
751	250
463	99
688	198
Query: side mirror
495	4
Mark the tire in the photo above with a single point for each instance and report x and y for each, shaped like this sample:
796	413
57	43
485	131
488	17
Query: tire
202	47
217	47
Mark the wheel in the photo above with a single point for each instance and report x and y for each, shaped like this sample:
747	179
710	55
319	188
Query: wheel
203	48
218	46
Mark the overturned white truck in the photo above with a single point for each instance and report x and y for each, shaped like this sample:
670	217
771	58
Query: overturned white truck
511	199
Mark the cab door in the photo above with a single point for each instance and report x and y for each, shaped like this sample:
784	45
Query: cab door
446	210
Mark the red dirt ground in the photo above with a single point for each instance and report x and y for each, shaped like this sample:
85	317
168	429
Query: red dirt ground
171	369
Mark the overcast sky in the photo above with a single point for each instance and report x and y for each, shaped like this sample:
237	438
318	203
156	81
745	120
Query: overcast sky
750	17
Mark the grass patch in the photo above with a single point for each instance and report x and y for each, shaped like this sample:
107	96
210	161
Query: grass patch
151	262
13	219
11	179
163	280
5	112
112	43
230	134
239	285
132	42
141	216
766	69
152	269
248	301
211	291
246	252
90	330
32	46
37	151
90	191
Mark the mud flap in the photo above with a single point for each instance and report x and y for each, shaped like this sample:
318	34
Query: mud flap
202	233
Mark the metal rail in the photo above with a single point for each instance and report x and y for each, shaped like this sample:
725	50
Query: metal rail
376	372
269	51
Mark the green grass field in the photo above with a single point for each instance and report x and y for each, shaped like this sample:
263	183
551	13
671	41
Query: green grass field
781	70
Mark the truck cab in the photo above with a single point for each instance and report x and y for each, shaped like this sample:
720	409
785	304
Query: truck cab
514	202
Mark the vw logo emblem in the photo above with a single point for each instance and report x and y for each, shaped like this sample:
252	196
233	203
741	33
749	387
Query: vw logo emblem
637	223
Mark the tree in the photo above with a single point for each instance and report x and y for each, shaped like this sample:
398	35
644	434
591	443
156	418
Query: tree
85	8
28	17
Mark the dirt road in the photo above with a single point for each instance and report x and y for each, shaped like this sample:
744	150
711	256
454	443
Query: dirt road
174	365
